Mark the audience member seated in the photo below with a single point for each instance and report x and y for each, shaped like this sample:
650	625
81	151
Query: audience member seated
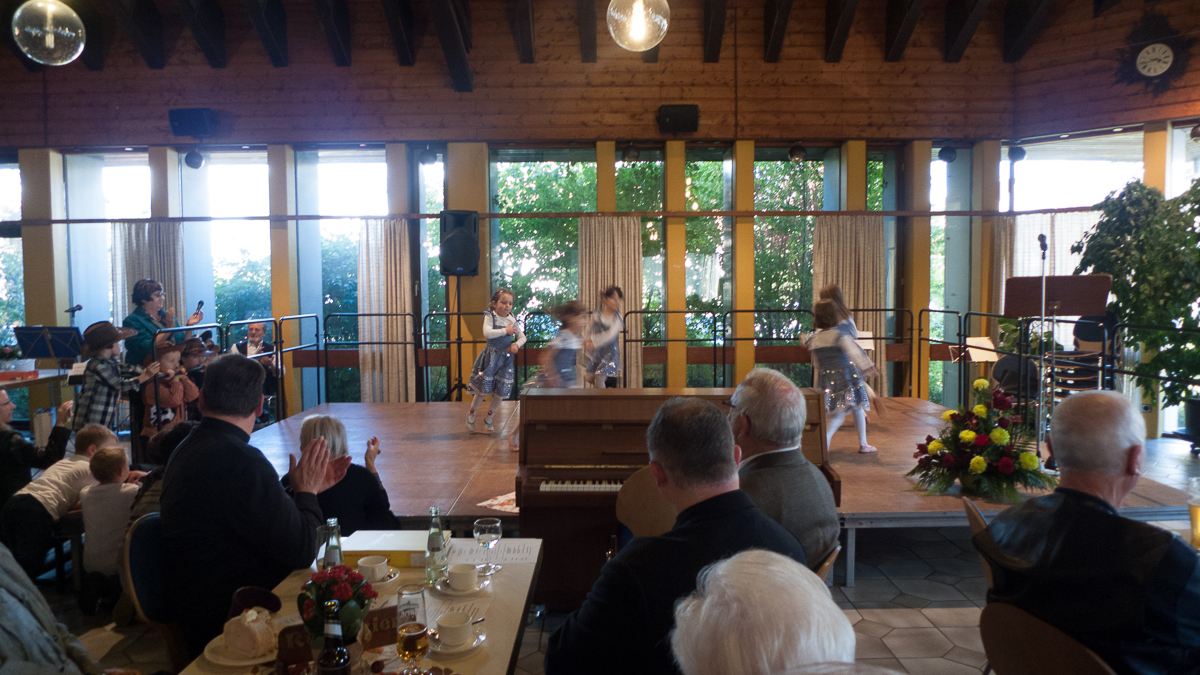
767	414
358	501
166	397
1127	590
195	354
226	520
27	520
624	623
158	450
106	378
758	613
18	456
253	345
106	509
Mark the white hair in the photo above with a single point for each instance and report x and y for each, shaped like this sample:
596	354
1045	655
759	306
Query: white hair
328	427
1092	430
840	669
758	613
774	404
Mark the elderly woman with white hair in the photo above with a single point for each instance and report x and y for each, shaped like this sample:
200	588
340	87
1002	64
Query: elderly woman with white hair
758	613
358	501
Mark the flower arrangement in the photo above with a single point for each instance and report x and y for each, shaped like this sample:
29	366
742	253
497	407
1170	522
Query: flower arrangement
346	586
981	449
10	353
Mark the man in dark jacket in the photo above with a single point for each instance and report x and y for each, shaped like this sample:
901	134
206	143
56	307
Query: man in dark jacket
1127	590
625	622
18	456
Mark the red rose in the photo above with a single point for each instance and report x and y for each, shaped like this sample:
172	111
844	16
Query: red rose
947	461
340	571
369	592
924	461
954	417
982	440
929	439
310	609
342	592
1004	422
1002	403
1006	465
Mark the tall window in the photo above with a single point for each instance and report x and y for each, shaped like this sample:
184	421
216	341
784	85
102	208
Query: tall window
1074	172
1185	161
708	177
10	191
126	185
431	198
12	274
241	249
640	188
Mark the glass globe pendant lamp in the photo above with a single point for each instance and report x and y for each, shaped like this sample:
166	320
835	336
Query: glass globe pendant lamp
48	32
638	25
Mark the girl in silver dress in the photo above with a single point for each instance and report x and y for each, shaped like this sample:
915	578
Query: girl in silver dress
493	372
841	369
604	361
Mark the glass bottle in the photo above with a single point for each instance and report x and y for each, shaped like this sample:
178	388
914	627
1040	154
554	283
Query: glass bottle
435	549
333	545
335	658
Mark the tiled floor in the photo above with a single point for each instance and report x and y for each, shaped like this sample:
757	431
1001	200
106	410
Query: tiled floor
1170	462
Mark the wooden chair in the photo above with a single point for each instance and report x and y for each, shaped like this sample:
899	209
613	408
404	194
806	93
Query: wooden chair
144	576
641	507
978	524
826	567
1018	643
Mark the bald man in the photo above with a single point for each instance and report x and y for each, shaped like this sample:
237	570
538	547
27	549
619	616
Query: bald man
1127	590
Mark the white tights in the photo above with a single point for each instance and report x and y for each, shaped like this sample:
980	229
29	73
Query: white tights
598	379
492	407
860	425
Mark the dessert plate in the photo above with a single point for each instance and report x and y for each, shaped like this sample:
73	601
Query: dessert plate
437	648
218	653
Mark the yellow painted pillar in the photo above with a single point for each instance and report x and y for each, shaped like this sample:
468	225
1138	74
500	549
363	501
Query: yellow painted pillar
606	175
914	235
743	259
1156	159
285	281
853	176
674	263
467	190
985	196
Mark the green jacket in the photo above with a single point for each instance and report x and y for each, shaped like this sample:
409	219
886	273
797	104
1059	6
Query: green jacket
138	346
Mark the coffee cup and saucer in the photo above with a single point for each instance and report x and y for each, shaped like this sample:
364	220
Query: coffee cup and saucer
456	634
375	569
462	580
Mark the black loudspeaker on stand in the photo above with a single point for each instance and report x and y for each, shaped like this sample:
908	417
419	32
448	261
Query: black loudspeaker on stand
458	257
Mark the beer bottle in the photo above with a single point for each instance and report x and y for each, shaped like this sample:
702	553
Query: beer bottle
334	659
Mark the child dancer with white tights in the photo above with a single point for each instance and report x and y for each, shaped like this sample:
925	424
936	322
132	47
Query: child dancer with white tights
493	372
604	359
841	369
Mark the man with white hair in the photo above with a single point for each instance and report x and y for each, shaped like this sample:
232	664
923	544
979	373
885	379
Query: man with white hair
1127	590
767	414
758	613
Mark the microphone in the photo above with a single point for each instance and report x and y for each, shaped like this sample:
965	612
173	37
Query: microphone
74	309
1042	242
162	313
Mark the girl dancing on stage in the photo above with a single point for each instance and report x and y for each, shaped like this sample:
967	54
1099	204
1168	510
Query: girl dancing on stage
841	367
558	360
847	327
493	372
604	362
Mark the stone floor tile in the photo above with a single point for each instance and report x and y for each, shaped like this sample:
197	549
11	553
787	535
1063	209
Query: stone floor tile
974	588
897	618
877	605
845	606
529	643
871	628
148	647
867	647
967	657
936	667
889	664
969	556
852	616
935	549
871	590
917	642
100	641
905	569
862	571
930	590
957	566
962	533
532	663
836	595
943	578
913	534
966	637
949	618
874	553
906	600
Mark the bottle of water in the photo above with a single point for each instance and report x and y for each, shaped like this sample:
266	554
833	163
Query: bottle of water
435	549
333	545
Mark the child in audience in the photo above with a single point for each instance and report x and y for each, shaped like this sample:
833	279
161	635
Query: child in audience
166	398
195	354
493	372
558	358
106	508
841	367
106	378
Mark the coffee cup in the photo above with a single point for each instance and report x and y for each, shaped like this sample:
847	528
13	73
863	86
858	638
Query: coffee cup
454	628
373	568
463	577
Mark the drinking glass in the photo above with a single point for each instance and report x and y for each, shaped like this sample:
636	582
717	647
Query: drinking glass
1193	491
412	628
487	534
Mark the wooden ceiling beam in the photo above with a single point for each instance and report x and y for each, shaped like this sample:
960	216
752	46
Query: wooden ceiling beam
962	18
402	26
270	20
776	15
142	22
1023	20
334	16
585	19
449	17
839	14
714	29
522	29
206	20
902	17
92	57
1101	6
7	9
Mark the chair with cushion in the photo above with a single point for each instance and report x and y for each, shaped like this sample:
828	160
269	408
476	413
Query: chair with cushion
641	509
826	566
1018	643
144	577
978	524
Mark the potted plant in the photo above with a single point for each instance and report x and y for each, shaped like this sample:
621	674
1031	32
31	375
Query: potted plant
1151	247
355	595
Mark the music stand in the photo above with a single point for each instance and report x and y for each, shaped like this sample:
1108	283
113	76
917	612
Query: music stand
64	343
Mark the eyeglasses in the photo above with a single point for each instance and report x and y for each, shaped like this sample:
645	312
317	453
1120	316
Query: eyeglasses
728	403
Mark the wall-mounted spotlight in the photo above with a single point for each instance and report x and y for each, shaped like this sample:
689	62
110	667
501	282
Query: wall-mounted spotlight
630	154
427	157
797	153
1195	133
947	154
194	159
1016	154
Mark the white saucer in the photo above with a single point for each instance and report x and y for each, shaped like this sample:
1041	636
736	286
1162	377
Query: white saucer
437	648
218	653
393	575
443	586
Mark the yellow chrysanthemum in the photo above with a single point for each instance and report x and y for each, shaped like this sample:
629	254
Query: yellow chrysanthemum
935	447
1029	461
980	410
946	415
981	384
978	465
967	436
999	436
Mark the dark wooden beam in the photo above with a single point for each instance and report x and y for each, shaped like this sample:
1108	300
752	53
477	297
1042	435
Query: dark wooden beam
522	29
93	27
1101	6
714	29
902	17
585	18
839	14
142	22
399	15
776	15
1023	20
334	16
651	55
448	20
962	18
270	20
206	20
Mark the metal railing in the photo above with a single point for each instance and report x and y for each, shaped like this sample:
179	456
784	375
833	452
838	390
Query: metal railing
717	331
279	342
726	325
272	357
927	354
335	317
154	354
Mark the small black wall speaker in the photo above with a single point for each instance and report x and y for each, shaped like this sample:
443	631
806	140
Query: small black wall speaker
194	122
459	250
678	119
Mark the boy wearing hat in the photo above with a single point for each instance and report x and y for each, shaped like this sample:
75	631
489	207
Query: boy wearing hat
106	378
195	354
167	398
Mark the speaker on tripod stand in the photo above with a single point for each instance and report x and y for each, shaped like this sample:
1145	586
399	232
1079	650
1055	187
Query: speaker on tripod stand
458	257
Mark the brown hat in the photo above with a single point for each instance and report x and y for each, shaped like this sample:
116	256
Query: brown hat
102	334
163	350
194	346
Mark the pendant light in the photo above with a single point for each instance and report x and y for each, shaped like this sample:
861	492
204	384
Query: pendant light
638	25
48	32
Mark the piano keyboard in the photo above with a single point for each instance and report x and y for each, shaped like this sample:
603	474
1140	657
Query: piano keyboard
580	486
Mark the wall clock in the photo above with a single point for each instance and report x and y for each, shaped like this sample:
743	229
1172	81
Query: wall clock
1155	54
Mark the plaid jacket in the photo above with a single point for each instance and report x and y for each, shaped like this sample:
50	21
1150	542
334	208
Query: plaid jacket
104	381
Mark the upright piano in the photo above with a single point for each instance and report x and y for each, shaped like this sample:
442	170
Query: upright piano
577	447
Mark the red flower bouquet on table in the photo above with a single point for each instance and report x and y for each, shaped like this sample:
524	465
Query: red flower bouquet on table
336	583
982	449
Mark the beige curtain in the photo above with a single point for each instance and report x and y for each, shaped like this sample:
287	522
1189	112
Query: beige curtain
1005	229
386	372
610	253
849	251
152	250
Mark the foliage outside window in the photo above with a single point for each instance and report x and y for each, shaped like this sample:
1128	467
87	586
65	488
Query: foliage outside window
241	249
432	199
707	267
640	188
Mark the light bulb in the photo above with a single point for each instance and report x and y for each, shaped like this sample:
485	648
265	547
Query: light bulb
638	25
48	32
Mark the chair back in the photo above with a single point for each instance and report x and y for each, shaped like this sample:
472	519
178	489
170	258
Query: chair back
1018	643
641	507
978	524
826	567
145	570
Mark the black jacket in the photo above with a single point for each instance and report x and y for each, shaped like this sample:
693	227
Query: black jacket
1127	590
18	456
624	624
358	501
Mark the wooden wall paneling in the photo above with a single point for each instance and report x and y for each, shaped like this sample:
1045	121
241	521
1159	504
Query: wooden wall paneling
902	17
206	21
962	20
714	29
403	29
1023	20
270	20
448	19
585	20
334	16
522	29
650	55
1101	6
143	24
839	15
776	15
7	8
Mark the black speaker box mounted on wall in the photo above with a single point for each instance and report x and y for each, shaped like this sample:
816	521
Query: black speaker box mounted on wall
458	254
678	119
194	122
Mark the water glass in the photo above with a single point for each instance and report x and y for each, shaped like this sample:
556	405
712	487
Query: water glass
412	628
1193	490
487	534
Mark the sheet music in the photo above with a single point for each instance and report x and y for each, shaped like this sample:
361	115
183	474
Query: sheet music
476	607
466	551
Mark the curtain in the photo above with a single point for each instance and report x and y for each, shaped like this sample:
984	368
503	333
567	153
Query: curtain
152	250
610	254
1062	230
850	251
386	372
1005	229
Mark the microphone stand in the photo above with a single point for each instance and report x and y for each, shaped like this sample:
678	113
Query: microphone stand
1041	421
